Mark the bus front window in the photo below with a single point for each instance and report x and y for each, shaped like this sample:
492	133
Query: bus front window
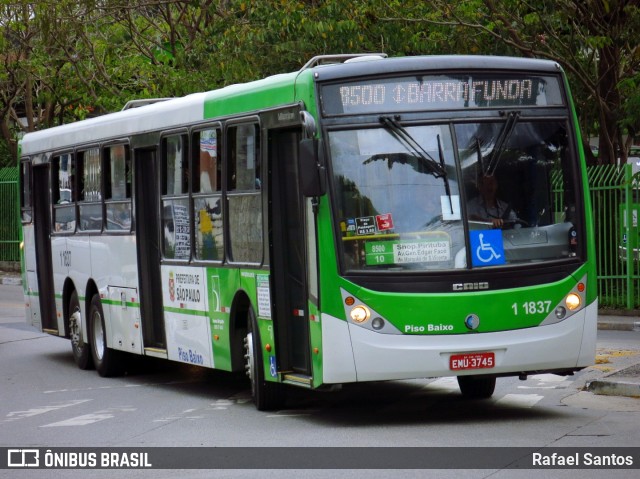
516	179
401	205
397	198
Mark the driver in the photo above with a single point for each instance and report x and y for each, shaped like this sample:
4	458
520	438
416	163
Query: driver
487	207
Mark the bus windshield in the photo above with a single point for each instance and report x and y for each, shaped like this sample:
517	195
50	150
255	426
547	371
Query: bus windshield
453	195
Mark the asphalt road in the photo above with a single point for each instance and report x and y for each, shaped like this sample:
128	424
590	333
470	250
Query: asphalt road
45	401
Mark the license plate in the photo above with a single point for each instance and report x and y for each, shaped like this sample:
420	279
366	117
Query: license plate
458	362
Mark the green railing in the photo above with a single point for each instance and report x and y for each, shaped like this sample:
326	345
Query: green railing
615	194
9	215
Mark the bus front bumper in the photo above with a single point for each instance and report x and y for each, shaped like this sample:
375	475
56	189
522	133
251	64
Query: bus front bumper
353	354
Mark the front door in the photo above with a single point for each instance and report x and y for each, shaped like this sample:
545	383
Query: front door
287	251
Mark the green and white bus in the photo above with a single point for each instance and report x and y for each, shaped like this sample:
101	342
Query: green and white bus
323	227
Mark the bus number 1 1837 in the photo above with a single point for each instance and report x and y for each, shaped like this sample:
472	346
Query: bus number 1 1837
532	307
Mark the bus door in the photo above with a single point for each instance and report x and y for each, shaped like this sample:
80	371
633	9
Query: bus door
148	248
287	253
42	228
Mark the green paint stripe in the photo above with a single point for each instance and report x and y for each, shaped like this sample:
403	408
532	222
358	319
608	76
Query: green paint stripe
190	312
115	302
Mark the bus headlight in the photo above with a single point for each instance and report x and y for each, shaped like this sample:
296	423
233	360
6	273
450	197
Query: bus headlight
573	301
360	314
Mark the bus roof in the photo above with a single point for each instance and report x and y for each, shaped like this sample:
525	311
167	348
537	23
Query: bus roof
435	63
252	96
162	115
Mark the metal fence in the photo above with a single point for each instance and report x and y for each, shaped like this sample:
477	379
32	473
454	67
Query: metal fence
615	197
9	215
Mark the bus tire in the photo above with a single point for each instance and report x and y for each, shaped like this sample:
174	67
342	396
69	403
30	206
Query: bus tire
266	396
81	350
475	387
108	362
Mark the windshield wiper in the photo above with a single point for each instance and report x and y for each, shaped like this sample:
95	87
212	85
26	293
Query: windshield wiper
500	143
447	189
438	170
409	142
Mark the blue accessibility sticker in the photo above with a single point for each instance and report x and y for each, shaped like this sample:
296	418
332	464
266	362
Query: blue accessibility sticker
487	248
272	367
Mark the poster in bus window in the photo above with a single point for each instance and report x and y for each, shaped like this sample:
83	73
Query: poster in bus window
181	231
208	161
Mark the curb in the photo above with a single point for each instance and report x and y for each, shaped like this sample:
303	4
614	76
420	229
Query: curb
625	382
605	387
619	323
11	280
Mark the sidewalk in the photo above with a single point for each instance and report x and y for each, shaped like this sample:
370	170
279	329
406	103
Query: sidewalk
623	381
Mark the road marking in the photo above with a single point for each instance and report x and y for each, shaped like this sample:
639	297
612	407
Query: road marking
15	415
449	383
547	381
519	400
91	418
549	378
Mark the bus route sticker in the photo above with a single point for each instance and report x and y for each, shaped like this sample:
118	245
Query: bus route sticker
487	247
404	252
264	296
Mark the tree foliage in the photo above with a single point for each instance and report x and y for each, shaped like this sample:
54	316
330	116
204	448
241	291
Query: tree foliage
64	60
596	41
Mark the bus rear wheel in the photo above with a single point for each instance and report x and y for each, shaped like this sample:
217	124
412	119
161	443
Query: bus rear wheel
81	350
474	387
267	396
108	362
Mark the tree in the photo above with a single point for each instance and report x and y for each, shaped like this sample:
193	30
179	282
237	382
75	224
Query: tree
596	41
66	59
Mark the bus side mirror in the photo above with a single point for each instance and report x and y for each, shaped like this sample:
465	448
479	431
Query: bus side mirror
311	174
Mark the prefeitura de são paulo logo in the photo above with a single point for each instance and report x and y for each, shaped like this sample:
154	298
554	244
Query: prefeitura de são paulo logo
172	286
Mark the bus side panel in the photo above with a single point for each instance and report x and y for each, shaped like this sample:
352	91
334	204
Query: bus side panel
60	261
337	353
222	286
30	280
113	260
115	271
185	299
78	256
124	319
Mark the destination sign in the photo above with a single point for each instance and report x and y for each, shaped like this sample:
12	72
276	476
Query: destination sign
441	92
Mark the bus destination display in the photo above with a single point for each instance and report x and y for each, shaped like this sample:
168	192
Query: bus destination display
441	92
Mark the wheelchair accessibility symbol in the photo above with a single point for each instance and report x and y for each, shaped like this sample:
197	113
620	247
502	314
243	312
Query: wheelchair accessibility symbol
487	248
273	370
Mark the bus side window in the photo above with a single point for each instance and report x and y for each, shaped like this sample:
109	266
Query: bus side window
207	196
90	190
176	221
64	194
118	188
243	194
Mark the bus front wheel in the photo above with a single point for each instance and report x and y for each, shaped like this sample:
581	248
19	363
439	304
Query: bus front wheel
474	387
266	395
106	360
81	350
